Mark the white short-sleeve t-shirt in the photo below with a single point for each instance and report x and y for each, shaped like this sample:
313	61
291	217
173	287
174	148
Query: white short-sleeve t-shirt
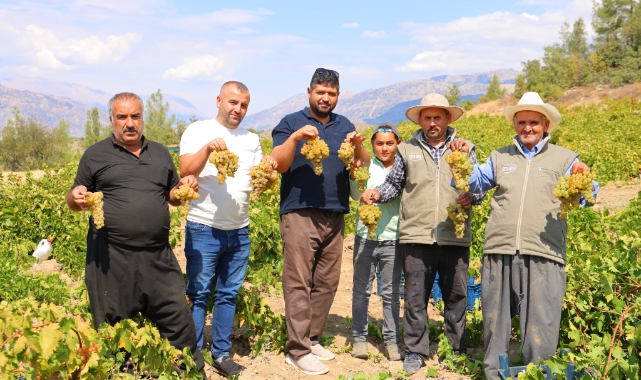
225	206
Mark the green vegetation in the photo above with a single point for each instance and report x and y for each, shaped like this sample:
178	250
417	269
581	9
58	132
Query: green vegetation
94	131
614	58
27	144
601	314
494	90
453	95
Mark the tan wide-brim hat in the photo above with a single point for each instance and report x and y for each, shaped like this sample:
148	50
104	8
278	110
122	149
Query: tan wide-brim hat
531	101
433	101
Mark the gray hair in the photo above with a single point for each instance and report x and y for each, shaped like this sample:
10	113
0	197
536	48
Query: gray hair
125	95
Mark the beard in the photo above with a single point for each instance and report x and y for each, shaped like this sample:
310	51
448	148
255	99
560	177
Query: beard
318	111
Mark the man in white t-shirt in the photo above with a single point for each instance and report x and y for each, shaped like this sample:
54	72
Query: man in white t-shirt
217	241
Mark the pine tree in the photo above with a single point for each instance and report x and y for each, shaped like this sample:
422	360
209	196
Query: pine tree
453	95
158	125
520	87
494	90
94	131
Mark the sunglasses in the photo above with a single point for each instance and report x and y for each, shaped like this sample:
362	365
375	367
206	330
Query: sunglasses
321	70
384	129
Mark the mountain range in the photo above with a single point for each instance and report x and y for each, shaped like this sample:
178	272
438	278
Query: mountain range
388	103
50	101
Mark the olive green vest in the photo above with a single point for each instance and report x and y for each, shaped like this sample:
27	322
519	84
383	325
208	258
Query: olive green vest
524	214
427	193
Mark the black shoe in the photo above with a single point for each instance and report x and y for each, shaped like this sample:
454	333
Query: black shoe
227	366
413	362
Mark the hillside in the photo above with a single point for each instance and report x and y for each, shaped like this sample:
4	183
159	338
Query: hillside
385	104
51	101
50	109
576	96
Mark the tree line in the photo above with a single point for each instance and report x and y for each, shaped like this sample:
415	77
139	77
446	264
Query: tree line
28	144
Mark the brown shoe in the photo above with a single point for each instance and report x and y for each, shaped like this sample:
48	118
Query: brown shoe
393	354
359	350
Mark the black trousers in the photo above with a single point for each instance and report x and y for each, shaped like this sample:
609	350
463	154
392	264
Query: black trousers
421	262
124	281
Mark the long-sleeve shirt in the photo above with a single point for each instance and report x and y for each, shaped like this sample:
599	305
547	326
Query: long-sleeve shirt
395	180
482	178
387	228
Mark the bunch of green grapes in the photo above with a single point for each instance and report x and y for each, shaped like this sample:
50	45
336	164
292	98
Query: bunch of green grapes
570	187
361	175
316	151
226	162
95	203
458	215
369	215
475	270
346	153
186	194
461	167
263	177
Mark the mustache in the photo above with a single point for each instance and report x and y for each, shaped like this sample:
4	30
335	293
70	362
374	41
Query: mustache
130	129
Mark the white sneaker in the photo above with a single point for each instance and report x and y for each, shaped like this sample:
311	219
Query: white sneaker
321	352
308	364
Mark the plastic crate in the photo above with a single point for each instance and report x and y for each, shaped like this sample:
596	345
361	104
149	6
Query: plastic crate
473	292
506	371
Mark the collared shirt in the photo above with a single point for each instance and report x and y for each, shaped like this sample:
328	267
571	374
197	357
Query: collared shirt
483	179
395	181
135	190
300	186
387	227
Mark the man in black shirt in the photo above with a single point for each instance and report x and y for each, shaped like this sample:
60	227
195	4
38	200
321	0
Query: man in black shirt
130	266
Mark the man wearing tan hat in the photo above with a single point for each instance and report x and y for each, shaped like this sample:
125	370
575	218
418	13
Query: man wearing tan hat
524	254
426	233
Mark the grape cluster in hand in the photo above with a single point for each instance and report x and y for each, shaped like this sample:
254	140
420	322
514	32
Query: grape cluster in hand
361	175
185	193
461	167
369	215
346	153
316	151
95	203
263	177
570	187
458	215
226	162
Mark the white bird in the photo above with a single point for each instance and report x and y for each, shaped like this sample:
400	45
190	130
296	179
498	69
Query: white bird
43	251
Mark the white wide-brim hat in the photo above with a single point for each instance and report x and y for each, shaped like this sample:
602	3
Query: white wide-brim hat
531	101
433	101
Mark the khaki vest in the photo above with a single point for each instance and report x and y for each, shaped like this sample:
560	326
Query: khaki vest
427	193
524	214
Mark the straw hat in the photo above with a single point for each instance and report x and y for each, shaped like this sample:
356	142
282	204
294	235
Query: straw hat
531	101
433	101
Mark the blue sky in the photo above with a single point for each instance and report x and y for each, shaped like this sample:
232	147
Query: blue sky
189	48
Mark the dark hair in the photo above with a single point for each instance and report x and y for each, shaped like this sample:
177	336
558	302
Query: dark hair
325	77
125	95
239	86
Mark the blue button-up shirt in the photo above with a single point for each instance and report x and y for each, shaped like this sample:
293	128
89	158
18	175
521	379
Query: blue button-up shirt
482	178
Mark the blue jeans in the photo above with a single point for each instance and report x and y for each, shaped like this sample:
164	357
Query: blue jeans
367	255
219	258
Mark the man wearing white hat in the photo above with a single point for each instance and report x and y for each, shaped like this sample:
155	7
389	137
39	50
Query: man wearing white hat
426	233
524	253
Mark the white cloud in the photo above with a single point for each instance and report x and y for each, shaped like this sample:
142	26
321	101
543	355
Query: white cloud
123	6
47	60
531	17
377	34
201	66
221	18
232	43
89	50
351	25
243	30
